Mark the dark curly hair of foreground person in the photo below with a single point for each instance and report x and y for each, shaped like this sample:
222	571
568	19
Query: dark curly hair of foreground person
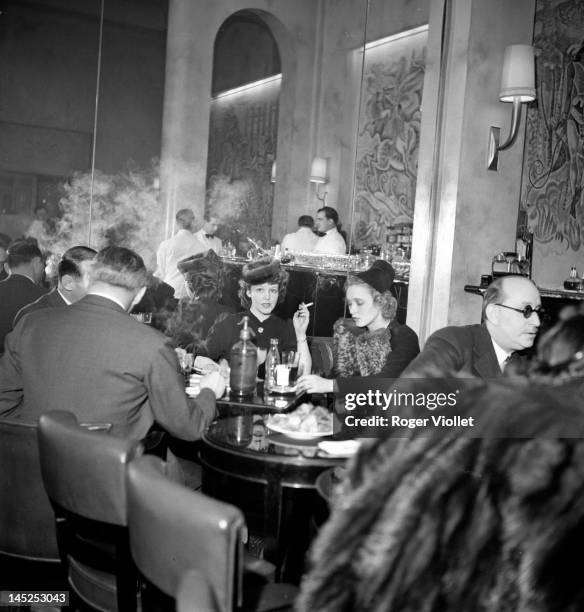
440	522
560	351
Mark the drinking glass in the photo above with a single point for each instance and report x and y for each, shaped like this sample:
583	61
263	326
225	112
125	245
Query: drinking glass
290	360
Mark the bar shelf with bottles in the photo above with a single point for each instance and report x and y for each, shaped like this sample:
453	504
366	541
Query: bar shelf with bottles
519	262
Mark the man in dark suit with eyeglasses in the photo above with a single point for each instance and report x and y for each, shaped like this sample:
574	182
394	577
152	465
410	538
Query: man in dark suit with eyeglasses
511	318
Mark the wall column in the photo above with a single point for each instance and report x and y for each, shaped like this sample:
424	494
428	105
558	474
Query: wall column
464	213
185	136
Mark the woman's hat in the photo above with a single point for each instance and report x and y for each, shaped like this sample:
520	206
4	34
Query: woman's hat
379	276
201	262
259	271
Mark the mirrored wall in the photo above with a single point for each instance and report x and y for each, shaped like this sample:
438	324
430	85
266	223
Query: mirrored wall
82	124
81	97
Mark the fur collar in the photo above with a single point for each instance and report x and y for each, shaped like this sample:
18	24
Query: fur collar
357	351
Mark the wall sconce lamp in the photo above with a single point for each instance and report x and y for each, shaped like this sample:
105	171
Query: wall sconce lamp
318	175
273	173
518	87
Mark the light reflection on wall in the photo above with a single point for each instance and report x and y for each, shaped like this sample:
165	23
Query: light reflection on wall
242	146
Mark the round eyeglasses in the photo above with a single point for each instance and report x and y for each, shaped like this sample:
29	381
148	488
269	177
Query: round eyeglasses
526	311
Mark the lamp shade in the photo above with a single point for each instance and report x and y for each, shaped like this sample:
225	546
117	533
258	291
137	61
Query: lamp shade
318	170
518	77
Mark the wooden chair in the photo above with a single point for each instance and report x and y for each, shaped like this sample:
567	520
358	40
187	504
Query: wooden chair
174	530
84	476
28	544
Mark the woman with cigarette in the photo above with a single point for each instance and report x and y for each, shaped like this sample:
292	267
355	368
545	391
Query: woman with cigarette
262	286
372	343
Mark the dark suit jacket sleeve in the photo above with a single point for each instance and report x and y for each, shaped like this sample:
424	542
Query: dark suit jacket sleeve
172	409
441	353
11	386
404	347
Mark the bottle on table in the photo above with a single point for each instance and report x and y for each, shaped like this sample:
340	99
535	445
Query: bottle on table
272	362
244	363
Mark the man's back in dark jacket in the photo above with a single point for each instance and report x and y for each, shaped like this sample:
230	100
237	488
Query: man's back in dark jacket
15	292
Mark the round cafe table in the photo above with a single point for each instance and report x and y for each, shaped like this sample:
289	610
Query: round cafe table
272	479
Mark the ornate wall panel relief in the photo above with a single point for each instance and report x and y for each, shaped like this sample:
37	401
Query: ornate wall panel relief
389	136
242	146
553	168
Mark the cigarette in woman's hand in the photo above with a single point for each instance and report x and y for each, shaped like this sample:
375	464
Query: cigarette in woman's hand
309	304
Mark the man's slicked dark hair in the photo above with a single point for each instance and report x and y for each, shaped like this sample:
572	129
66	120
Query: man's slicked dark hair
493	295
330	213
120	267
71	259
184	216
22	252
306	221
5	241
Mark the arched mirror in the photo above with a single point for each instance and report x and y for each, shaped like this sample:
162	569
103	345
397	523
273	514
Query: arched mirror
243	130
285	88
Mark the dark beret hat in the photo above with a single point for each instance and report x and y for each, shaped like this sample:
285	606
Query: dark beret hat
379	276
201	262
260	270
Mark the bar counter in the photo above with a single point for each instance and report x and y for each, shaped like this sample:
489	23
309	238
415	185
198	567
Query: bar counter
560	294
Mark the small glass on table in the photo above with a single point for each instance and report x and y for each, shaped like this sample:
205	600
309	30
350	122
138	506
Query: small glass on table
287	370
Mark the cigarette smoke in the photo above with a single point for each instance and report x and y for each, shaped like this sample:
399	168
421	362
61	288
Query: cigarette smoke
126	211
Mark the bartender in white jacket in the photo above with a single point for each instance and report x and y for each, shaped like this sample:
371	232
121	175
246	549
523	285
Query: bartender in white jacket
332	242
206	235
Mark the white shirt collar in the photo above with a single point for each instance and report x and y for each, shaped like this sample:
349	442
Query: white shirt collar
502	354
107	297
67	301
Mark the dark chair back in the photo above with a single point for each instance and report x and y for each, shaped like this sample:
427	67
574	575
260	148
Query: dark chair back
84	475
27	524
195	594
321	351
173	529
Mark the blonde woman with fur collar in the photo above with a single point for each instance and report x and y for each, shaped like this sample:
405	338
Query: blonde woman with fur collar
372	342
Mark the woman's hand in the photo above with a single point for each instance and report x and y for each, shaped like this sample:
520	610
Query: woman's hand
311	383
300	319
